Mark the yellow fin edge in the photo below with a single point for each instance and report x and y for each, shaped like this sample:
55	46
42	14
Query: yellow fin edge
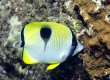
28	59
52	66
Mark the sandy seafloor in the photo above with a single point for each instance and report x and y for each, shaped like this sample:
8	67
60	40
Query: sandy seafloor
91	63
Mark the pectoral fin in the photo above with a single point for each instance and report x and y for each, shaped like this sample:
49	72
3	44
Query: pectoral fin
28	59
52	66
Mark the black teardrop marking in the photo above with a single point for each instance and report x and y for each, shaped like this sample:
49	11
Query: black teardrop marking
45	33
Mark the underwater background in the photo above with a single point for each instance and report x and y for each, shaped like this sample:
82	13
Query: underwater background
89	21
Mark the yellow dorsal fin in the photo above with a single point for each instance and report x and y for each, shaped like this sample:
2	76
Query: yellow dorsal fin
28	59
52	66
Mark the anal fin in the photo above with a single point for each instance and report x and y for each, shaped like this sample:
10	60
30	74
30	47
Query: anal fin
52	66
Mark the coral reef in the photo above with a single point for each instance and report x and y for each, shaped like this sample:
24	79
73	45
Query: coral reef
88	19
107	17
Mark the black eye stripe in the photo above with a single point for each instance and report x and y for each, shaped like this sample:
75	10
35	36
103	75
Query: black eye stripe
22	37
22	53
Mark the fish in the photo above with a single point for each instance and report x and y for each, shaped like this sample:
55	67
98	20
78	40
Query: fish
48	42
